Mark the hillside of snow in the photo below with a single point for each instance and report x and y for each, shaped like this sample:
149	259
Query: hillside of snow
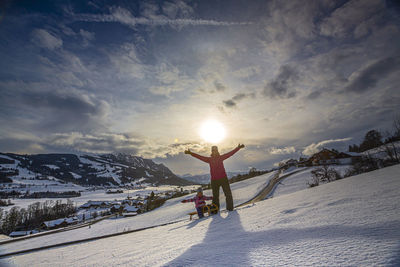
299	180
350	222
172	210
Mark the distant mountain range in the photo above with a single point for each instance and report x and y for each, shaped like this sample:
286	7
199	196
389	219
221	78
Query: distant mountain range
107	169
205	178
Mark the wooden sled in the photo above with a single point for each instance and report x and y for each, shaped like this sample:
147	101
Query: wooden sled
210	209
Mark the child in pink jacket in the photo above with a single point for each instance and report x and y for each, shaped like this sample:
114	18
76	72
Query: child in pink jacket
199	201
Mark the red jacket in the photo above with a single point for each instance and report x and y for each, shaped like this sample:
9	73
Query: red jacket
198	201
217	168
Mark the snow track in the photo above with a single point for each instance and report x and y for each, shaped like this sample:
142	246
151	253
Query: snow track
273	183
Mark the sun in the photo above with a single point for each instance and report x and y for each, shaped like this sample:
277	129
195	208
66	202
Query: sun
212	131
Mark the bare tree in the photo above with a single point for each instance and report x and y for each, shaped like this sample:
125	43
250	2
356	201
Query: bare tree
323	174
396	126
390	148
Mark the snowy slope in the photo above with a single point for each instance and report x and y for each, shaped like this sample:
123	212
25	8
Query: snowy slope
172	210
351	222
299	181
354	221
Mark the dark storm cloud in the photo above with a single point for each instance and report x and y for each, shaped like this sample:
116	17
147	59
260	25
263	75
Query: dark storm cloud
282	86
367	78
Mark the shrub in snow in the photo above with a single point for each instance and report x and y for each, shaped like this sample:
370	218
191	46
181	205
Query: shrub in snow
323	174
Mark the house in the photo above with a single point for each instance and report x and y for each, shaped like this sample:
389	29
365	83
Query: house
130	211
117	209
63	222
326	156
284	165
22	233
95	204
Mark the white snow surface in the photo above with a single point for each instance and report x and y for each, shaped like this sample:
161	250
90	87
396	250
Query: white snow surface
299	181
172	210
350	222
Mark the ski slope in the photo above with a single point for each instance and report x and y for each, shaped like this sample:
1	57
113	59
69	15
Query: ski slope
350	222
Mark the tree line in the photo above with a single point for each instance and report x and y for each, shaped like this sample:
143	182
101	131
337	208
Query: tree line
33	216
374	138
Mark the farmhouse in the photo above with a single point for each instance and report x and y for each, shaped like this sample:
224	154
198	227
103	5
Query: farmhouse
326	156
59	223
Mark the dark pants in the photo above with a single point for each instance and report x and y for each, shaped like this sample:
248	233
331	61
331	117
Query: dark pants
215	184
200	212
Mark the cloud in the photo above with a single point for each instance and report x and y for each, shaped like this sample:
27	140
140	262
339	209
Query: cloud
219	86
247	72
94	143
282	151
282	86
86	37
45	39
124	16
169	79
177	9
55	110
231	103
367	77
314	148
351	18
289	26
117	143
127	62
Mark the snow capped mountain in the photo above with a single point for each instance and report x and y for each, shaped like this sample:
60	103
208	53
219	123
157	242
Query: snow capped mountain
108	169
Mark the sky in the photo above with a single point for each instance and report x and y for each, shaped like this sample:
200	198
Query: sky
286	78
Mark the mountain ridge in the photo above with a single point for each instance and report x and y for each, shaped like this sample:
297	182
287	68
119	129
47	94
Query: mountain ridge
88	169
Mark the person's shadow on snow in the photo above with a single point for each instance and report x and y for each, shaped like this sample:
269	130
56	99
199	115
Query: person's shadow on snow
226	243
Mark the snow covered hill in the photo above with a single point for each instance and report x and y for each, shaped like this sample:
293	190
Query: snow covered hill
109	169
350	222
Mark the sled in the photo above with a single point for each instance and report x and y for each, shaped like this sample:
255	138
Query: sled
210	209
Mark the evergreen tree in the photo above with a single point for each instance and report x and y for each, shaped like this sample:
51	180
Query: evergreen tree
371	140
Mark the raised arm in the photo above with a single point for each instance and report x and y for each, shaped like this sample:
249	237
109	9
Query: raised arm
202	158
229	154
188	200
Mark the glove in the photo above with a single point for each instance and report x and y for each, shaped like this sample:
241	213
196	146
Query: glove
188	152
183	201
240	146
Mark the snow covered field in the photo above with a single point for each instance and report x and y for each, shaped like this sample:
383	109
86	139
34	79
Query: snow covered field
172	210
350	222
298	181
99	195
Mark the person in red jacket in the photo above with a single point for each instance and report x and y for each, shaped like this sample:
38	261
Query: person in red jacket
218	173
199	201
